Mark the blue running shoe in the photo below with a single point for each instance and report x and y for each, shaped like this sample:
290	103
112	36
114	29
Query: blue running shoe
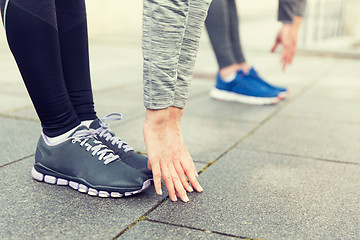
283	92
244	89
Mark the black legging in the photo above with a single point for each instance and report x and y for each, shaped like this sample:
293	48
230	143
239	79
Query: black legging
49	41
222	24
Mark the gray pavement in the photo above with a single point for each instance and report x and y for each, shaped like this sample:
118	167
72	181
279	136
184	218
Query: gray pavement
287	171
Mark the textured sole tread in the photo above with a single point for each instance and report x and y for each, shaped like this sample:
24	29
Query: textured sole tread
82	188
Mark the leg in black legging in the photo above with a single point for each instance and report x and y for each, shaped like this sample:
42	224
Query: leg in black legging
73	36
33	37
218	27
234	32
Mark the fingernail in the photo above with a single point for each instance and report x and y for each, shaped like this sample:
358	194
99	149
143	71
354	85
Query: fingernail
186	198
175	199
191	189
160	192
196	174
200	189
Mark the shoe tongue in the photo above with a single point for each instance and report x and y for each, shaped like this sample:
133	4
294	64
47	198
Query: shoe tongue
82	127
95	124
252	72
241	72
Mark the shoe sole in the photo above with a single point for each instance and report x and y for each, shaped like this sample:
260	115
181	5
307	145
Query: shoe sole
235	97
83	188
284	94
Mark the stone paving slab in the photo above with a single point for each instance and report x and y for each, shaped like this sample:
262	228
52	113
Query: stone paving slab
333	141
26	113
33	210
19	138
344	74
126	100
114	65
205	107
327	104
153	230
11	102
262	195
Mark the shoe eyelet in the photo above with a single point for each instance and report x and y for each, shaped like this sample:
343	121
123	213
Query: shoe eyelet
73	141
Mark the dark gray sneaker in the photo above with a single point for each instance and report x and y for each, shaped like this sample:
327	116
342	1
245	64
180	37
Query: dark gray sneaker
121	148
87	165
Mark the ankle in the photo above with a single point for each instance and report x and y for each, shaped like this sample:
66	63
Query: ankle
244	67
51	141
229	70
156	119
87	123
175	115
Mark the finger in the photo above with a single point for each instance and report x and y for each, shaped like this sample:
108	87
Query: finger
157	178
149	165
168	180
194	182
182	177
276	44
180	191
283	61
191	163
192	175
288	58
293	52
285	58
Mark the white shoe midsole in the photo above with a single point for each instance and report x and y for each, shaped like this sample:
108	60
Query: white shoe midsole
235	97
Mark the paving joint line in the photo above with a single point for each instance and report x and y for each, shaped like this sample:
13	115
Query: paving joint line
110	89
303	156
19	160
287	116
142	218
199	229
18	118
19	109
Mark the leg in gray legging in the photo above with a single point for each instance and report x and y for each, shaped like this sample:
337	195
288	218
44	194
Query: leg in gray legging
170	42
189	48
163	32
223	29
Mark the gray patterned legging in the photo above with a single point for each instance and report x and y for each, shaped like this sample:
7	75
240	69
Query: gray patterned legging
171	33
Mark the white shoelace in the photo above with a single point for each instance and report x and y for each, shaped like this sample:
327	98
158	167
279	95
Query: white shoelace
102	151
104	131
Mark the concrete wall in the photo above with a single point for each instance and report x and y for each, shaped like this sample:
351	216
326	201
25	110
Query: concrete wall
352	18
114	18
122	19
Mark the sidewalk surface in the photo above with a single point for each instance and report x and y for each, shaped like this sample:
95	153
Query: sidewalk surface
286	171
